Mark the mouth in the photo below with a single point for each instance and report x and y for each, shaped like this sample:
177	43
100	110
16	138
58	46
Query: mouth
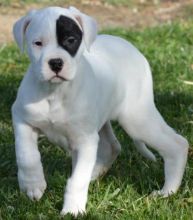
58	77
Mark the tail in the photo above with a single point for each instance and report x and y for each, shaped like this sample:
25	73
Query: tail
142	149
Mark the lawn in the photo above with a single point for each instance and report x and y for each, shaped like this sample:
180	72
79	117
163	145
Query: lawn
123	193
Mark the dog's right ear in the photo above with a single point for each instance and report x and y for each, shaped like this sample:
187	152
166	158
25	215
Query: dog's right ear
88	25
20	27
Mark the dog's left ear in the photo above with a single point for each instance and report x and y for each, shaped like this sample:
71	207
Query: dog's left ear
88	25
20	27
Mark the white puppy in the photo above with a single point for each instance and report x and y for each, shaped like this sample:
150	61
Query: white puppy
77	82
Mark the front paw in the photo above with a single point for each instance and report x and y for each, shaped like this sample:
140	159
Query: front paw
33	185
74	204
163	193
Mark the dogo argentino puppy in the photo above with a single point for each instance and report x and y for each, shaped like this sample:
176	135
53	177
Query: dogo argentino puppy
76	83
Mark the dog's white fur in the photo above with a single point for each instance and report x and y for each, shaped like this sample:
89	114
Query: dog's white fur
108	79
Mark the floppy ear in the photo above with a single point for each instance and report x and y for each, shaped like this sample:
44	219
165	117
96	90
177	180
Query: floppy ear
88	25
20	27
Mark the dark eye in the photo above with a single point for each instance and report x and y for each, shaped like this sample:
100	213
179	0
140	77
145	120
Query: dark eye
70	40
38	43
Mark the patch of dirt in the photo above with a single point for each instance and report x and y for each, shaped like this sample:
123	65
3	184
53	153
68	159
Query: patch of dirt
139	15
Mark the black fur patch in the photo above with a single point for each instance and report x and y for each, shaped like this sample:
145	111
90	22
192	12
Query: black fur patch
69	35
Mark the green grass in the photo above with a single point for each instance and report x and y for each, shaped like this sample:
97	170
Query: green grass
123	192
120	2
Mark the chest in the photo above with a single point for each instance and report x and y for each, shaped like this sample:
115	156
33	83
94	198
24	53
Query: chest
47	115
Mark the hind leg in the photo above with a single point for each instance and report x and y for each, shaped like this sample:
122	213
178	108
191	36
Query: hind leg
108	151
150	128
144	151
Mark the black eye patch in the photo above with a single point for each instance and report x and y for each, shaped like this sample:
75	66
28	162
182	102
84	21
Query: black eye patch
69	35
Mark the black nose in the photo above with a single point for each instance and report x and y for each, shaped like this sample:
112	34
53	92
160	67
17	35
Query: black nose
56	64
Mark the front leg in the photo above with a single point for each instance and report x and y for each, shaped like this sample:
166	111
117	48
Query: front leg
30	172
84	158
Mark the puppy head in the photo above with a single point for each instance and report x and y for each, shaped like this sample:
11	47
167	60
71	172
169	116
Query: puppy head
55	38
